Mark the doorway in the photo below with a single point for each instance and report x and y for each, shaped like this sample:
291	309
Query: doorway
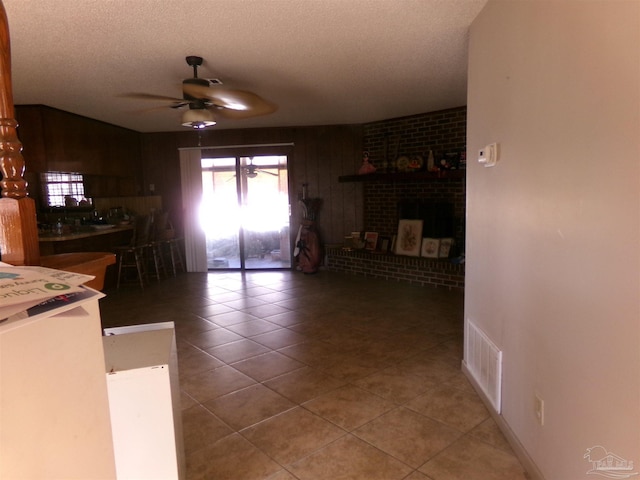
245	212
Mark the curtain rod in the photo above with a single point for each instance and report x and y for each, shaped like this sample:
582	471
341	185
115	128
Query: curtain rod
223	147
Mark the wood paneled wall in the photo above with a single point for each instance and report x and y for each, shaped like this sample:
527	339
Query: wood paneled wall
319	155
54	140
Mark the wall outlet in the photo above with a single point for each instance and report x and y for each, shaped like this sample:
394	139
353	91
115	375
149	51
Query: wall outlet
539	409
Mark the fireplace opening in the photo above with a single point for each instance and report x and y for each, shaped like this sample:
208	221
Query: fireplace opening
437	216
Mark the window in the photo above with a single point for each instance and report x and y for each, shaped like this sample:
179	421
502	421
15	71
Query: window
62	189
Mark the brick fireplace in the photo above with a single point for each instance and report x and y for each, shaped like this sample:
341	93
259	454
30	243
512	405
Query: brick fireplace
442	132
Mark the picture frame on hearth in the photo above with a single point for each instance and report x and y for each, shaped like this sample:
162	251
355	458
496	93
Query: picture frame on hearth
384	244
409	237
357	241
430	247
445	247
370	240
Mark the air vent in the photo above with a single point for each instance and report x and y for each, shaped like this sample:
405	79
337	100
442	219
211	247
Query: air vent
484	361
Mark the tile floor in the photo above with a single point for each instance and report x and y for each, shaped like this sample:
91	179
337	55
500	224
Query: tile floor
289	376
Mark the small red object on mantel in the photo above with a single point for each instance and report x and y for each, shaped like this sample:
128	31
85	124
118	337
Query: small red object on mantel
366	167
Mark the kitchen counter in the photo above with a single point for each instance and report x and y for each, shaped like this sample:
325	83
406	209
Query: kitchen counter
52	237
105	241
86	241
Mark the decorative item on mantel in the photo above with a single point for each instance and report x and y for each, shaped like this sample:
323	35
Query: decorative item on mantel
408	164
366	167
431	163
452	161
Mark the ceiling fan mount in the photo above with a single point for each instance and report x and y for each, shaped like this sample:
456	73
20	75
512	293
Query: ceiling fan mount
194	62
208	101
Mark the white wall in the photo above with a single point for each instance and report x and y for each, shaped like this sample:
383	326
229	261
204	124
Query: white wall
553	231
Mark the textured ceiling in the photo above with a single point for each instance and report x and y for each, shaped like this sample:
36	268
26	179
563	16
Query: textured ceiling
321	61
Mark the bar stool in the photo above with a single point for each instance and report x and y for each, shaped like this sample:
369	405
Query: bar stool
175	255
168	246
132	256
155	256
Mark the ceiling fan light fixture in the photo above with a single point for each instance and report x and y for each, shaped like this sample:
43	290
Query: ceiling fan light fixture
198	118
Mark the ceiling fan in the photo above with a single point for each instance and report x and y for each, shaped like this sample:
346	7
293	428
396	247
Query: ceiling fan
207	100
252	171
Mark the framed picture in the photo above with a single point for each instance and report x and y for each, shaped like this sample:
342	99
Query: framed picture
370	240
430	247
392	246
445	247
384	243
409	237
356	240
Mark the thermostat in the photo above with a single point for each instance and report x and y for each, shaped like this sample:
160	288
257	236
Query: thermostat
488	155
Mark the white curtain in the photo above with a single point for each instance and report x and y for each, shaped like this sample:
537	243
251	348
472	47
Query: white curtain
194	237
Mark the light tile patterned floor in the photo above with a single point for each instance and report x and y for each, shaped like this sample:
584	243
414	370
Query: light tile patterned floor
290	376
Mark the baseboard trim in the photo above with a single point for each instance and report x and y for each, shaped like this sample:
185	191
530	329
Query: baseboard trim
532	470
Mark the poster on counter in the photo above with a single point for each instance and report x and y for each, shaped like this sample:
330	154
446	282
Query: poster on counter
22	288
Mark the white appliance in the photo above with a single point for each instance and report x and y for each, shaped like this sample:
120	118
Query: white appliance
144	401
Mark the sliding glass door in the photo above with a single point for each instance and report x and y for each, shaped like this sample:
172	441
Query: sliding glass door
245	212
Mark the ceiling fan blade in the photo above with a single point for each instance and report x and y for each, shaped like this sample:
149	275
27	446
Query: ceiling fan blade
231	103
149	96
228	114
259	170
144	111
